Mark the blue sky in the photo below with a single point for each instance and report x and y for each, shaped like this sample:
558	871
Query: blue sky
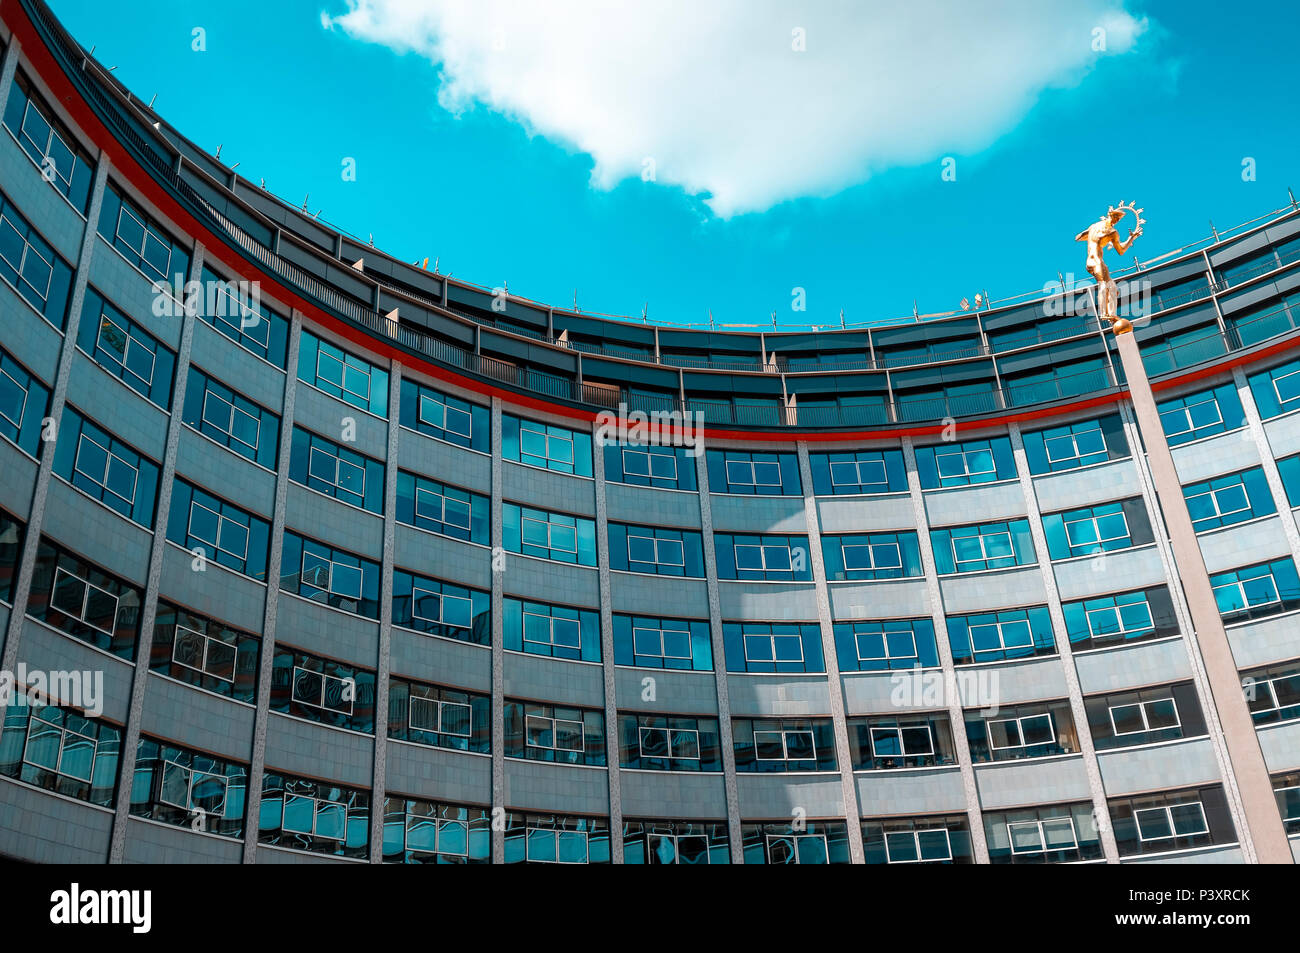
500	187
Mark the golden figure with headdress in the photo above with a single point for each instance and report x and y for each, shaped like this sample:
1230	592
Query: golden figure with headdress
1099	235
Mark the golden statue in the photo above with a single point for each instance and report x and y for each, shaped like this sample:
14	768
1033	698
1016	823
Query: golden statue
1098	236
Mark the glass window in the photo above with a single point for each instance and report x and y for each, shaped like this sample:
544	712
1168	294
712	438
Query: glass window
236	311
770	558
60	750
337	578
761	474
427	832
873	646
871	556
445	417
221	531
558	631
556	733
125	350
105	468
982	546
441	608
32	267
1072	446
675	842
1171	820
1201	415
1006	634
340	374
669	742
762	647
651	642
651	549
867	471
1253	592
783	744
1120	618
316	816
917	840
667	468
965	464
547	535
545	446
83	601
24	401
1229	499
1097	529
229	418
437	716
322	690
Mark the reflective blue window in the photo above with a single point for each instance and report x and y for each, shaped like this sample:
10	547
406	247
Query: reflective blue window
1229	499
349	378
675	842
872	556
24	401
557	631
143	242
547	535
1004	634
754	474
1200	415
235	309
982	546
914	740
105	468
917	840
65	165
557	733
232	420
773	647
1097	529
1120	618
332	576
438	716
336	471
771	558
82	600
965	464
60	750
1254	592
653	549
1038	730
765	745
1277	390
782	842
125	350
316	816
669	742
668	468
445	417
876	646
867	471
440	508
221	531
178	786
652	642
30	264
441	608
556	839
323	690
546	446
1075	445
428	832
204	652
1273	693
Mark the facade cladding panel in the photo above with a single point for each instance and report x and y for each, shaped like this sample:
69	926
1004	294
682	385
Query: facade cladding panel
680	647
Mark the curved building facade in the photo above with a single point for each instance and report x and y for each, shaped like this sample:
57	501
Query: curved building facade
338	560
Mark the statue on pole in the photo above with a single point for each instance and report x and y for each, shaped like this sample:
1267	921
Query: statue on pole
1099	235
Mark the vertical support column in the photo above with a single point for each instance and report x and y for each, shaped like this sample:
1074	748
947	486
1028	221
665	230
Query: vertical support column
144	645
384	665
1263	824
273	573
607	657
1187	632
498	643
1255	427
956	715
725	738
8	68
839	722
1095	788
58	397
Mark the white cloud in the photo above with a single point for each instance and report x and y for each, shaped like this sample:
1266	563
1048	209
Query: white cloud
714	94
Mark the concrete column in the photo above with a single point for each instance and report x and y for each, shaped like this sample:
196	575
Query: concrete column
956	715
149	611
58	398
1185	628
607	658
1095	788
267	648
498	643
848	782
725	738
8	67
1263	825
384	665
